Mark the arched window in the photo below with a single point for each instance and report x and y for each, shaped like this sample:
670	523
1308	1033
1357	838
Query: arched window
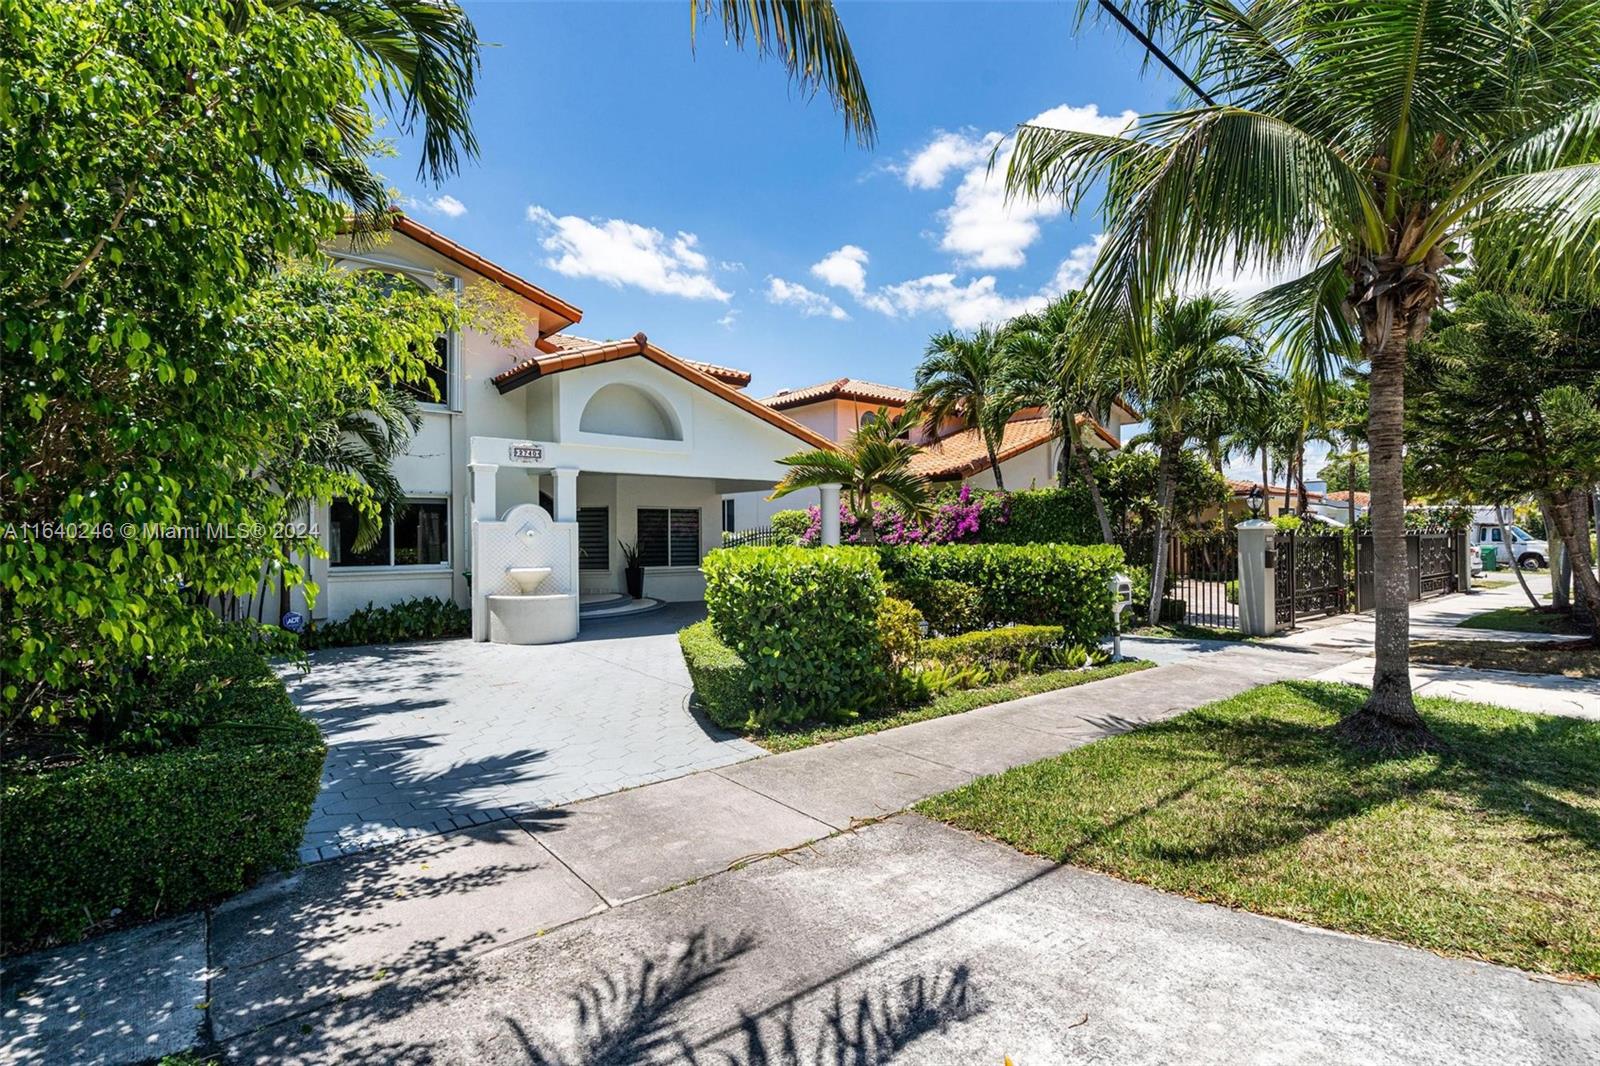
628	411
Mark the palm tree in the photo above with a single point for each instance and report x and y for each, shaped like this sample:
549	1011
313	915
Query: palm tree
961	376
361	437
1035	372
875	460
1257	426
1201	354
1374	140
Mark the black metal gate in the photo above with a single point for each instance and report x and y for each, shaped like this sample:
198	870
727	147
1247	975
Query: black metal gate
1431	559
1310	580
1203	576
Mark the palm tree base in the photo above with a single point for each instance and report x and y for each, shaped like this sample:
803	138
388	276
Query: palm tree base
1387	725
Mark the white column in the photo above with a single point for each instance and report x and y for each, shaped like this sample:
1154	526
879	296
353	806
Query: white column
566	494
1258	610
483	503
830	514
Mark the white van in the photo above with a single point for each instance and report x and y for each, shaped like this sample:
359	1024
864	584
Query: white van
1529	552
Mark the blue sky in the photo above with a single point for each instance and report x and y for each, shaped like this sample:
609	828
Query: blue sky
698	197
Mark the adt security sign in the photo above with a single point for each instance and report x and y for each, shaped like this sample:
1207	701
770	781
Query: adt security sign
293	621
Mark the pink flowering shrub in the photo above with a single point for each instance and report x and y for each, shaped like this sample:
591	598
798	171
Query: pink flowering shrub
958	520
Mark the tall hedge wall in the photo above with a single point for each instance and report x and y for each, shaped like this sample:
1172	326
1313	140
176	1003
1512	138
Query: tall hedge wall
1017	584
1045	516
804	622
155	834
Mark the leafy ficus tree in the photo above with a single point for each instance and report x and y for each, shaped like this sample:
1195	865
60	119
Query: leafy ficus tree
1508	406
1358	147
159	163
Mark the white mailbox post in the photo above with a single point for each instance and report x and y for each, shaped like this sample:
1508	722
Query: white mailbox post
1121	600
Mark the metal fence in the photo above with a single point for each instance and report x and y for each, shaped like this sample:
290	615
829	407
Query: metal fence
1311	580
1432	560
765	538
1202	586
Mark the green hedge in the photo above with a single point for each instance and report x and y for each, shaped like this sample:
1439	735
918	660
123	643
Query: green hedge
804	620
419	618
1021	584
791	524
154	834
1011	645
1046	516
721	679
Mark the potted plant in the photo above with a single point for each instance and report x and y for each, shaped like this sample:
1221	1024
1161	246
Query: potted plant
632	572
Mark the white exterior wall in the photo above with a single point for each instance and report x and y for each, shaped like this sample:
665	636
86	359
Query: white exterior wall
721	448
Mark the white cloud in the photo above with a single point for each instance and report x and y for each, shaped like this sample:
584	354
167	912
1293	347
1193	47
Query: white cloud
619	252
448	205
811	304
728	320
1074	269
443	204
981	227
965	305
946	152
845	268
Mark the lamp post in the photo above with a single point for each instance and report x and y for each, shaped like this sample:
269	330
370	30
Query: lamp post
1253	500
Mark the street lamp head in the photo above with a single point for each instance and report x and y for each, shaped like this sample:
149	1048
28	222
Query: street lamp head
1253	500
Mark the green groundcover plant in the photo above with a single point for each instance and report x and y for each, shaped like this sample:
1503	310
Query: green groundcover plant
106	837
419	618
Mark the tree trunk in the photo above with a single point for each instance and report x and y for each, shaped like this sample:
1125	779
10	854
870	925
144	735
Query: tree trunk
1565	509
1086	468
1389	720
1166	483
1300	469
1516	567
1068	432
866	528
994	462
1560	561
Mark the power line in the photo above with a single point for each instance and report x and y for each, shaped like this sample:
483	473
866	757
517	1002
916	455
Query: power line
1156	51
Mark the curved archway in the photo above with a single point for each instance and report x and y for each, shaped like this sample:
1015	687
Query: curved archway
628	411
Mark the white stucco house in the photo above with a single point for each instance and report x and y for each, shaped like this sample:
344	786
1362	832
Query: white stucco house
1029	449
618	441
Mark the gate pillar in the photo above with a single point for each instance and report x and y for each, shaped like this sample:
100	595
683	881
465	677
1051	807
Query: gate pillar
1258	609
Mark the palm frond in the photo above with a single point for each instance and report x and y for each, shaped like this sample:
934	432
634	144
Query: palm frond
807	37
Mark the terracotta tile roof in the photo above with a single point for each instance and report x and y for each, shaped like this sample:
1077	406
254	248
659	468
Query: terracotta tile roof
547	363
1343	496
840	389
1241	487
962	454
562	343
448	248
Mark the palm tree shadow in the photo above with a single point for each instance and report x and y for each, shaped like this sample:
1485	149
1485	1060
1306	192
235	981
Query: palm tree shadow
639	1016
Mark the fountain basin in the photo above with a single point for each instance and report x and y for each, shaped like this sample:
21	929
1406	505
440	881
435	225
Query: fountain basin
528	578
547	618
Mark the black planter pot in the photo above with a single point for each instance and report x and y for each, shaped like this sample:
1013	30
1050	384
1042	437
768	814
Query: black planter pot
634	575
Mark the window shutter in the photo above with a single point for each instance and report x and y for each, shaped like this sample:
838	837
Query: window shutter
653	537
685	538
594	538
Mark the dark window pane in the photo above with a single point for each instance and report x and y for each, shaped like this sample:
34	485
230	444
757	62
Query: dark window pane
420	533
685	538
438	373
344	523
652	537
728	514
594	538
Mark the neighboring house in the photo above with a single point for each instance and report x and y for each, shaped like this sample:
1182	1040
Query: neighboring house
1028	451
1239	502
629	441
1336	505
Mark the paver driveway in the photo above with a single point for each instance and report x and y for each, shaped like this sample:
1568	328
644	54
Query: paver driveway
425	738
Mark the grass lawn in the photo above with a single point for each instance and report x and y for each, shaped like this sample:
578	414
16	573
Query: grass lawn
1493	582
1491	851
1521	620
805	735
1535	657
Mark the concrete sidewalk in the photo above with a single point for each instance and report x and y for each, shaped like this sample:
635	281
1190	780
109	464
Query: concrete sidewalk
411	915
343	953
